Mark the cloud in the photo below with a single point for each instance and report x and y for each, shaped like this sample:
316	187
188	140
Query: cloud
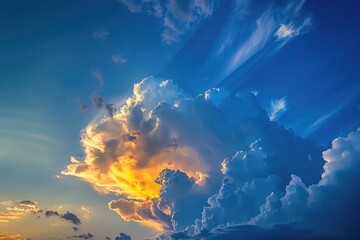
97	101
286	31
68	216
166	154
177	17
123	236
27	203
14	211
84	236
51	213
277	107
100	35
10	236
96	74
82	105
249	35
117	59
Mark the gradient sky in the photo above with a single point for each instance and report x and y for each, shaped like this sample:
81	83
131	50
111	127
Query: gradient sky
64	63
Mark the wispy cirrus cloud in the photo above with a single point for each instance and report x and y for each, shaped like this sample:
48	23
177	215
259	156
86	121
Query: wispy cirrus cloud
96	74
177	17
118	59
100	35
277	107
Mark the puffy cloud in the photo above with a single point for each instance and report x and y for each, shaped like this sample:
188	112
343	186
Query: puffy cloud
177	17
163	152
100	34
51	213
68	216
123	236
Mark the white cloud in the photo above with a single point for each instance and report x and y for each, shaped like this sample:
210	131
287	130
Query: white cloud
118	59
100	35
177	17
277	107
286	31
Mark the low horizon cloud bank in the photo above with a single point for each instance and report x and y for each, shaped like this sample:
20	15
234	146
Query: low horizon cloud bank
190	166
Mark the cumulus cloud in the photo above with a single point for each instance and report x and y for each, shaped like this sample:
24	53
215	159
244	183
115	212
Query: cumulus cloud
51	213
123	236
100	34
177	17
68	216
277	107
166	154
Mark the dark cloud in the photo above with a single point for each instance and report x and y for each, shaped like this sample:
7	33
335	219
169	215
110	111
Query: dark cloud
277	232
82	105
68	216
123	236
27	202
50	213
110	109
84	236
97	100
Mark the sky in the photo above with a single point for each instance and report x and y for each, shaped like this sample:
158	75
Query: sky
179	119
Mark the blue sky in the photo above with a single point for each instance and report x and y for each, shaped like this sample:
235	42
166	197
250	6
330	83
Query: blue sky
273	80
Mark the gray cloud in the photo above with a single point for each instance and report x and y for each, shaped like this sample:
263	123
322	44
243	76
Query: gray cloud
84	236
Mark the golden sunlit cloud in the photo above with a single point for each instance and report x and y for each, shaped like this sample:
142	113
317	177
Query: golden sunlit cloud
125	154
11	236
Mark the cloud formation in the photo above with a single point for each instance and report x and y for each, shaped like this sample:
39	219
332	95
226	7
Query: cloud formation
277	107
68	216
123	236
96	74
15	211
100	35
166	154
118	59
177	17
84	236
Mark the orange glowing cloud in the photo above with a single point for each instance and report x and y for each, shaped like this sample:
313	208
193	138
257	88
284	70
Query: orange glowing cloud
11	236
125	154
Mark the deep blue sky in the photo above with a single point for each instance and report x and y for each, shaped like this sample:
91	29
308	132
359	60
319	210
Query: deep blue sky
57	55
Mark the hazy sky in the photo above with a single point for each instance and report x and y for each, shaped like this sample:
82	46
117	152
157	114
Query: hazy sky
127	119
